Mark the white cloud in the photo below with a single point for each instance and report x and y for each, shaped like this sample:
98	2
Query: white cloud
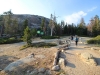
89	10
75	17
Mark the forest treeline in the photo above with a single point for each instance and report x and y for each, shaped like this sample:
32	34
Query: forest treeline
10	26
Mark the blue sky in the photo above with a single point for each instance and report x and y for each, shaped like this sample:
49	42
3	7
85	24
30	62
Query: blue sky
71	11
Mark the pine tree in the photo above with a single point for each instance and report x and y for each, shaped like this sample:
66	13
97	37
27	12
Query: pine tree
25	24
27	36
8	21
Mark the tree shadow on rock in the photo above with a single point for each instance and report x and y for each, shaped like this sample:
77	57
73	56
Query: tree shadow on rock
6	60
21	70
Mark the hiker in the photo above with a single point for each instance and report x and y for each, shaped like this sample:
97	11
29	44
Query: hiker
76	40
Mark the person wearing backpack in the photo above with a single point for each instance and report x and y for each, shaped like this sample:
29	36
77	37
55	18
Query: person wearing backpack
76	40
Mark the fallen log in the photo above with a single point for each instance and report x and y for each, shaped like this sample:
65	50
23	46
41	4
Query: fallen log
56	59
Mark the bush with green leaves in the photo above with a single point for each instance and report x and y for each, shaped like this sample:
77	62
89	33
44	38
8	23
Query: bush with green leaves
95	40
39	44
43	44
9	40
50	37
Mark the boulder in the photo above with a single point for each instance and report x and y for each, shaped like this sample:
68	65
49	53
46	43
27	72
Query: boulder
62	61
17	63
86	55
88	58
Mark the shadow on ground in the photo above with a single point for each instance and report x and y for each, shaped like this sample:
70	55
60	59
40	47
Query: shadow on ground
76	48
97	60
62	55
70	64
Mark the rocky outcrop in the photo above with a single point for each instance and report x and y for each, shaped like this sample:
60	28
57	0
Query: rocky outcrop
87	58
34	21
17	63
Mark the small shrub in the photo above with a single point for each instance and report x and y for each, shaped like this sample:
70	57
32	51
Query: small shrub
9	40
24	47
95	40
50	37
43	44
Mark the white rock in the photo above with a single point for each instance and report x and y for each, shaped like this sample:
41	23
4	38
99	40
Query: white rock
31	55
61	61
56	68
62	50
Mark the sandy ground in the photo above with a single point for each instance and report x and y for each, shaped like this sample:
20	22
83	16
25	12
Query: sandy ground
75	66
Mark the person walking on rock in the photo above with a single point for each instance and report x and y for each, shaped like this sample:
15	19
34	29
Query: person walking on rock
76	40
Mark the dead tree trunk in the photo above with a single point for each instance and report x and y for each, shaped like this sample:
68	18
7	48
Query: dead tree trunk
56	59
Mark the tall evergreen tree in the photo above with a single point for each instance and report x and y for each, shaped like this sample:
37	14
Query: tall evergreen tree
82	30
1	25
27	36
8	21
43	26
25	24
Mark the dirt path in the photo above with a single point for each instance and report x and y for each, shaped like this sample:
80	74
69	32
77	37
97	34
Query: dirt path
75	66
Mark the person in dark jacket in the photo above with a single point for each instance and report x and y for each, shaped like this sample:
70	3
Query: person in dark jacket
76	40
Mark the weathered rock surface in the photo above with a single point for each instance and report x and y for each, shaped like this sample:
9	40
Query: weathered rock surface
17	63
86	55
88	58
